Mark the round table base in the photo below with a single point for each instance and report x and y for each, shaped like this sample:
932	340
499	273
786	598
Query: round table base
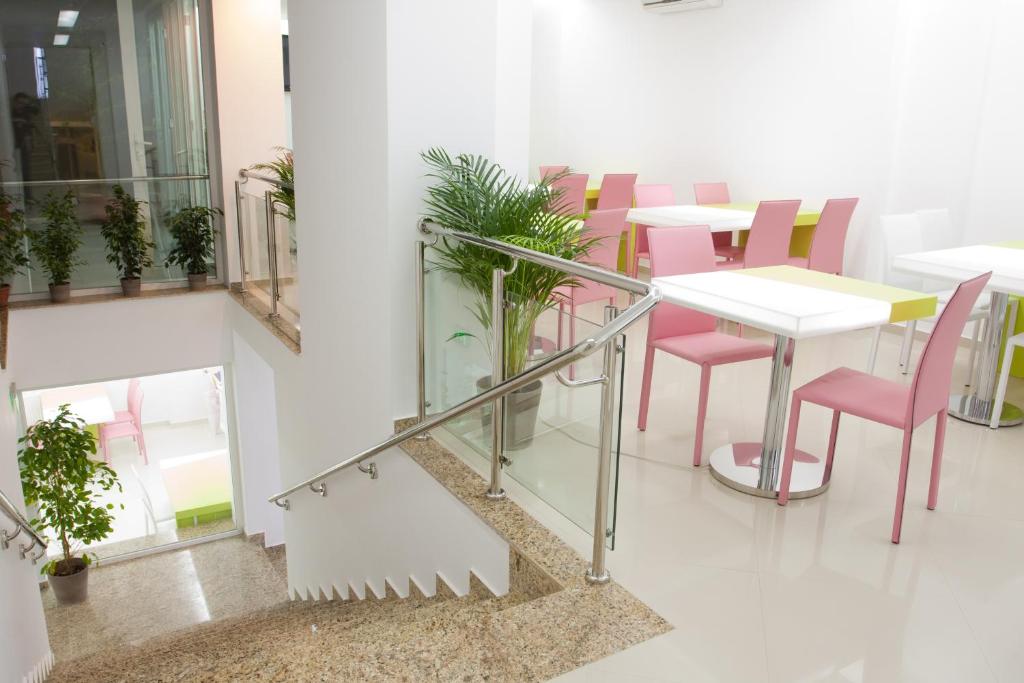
736	466
972	409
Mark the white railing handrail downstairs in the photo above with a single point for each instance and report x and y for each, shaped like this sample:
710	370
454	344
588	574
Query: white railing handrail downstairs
649	296
23	525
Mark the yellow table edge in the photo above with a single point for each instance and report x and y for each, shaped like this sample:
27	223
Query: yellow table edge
906	304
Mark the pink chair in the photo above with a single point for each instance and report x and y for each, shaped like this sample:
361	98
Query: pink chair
607	227
891	403
769	237
616	191
717	193
545	171
686	333
572	201
646	196
126	423
829	241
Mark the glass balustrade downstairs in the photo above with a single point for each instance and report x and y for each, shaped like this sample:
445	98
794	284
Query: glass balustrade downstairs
551	431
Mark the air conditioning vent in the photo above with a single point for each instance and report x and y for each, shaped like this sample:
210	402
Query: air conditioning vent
680	5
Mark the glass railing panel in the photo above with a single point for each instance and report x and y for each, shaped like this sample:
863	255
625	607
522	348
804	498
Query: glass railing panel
259	270
161	197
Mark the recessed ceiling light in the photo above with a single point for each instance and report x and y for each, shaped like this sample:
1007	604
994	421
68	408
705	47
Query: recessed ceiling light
61	39
66	18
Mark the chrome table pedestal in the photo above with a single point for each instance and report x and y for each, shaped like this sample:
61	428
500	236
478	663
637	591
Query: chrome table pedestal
977	407
753	468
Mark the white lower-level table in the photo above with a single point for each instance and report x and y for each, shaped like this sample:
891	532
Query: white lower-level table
963	263
793	304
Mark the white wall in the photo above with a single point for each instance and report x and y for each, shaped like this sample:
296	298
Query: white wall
250	95
791	98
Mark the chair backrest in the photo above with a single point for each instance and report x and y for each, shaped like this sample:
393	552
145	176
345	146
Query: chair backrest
829	240
573	194
711	193
607	228
930	391
770	233
901	234
545	171
936	228
616	191
645	196
679	251
135	396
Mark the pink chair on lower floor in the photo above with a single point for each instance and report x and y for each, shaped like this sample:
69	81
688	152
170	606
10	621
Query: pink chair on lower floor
686	333
573	194
646	196
616	191
606	227
129	427
717	193
769	236
891	403
829	240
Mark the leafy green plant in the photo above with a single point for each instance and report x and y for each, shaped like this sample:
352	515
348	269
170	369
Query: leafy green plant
193	230
13	258
56	244
283	168
125	232
59	476
474	195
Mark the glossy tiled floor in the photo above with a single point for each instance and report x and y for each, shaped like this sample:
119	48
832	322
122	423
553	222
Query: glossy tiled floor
815	591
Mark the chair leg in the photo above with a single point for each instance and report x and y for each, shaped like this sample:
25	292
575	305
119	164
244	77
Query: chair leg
940	439
103	447
974	353
901	486
908	345
702	412
1004	378
739	330
873	353
561	314
790	452
831	446
645	389
141	440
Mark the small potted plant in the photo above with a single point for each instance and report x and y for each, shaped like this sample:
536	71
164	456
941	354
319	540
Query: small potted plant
12	247
57	243
62	480
127	247
194	232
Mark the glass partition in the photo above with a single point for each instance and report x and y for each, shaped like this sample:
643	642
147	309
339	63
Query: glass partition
551	430
270	258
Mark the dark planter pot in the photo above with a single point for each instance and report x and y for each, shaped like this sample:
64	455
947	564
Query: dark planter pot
5	294
60	293
131	286
73	587
197	281
521	408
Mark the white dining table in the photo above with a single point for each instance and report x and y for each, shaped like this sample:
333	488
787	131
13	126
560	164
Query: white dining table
963	263
716	218
88	402
793	304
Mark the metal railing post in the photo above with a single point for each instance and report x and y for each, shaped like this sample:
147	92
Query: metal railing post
421	335
495	492
272	253
598	572
241	236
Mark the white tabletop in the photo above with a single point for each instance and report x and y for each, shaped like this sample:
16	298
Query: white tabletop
719	220
89	402
785	308
963	263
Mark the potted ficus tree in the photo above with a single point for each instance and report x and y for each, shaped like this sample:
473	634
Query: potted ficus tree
474	195
13	258
64	482
56	244
125	233
193	230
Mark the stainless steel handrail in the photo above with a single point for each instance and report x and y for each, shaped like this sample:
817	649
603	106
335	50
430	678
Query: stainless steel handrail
23	525
650	296
246	173
99	181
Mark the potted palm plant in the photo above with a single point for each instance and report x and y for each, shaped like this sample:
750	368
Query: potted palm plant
56	244
474	195
282	168
193	230
62	480
12	245
125	233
